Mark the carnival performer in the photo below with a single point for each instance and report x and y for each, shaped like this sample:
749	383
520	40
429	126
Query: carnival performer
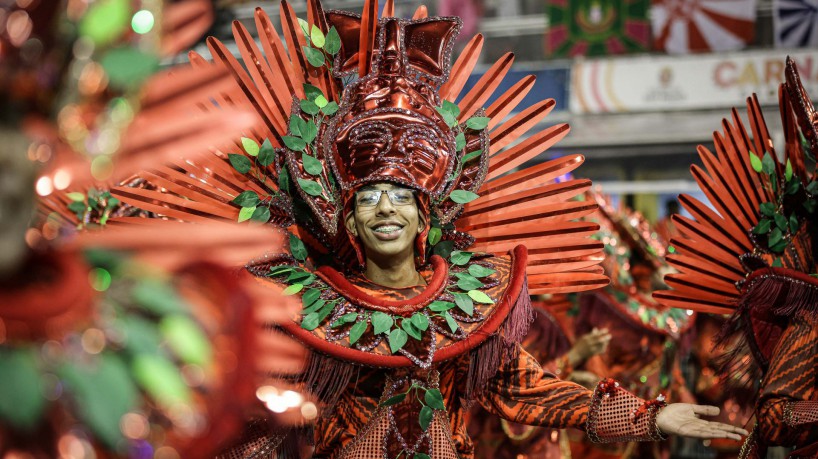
137	341
752	256
383	183
643	355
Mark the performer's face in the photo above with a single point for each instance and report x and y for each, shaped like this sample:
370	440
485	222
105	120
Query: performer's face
386	219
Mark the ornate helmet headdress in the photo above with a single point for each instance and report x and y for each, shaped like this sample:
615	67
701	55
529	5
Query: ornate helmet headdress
321	134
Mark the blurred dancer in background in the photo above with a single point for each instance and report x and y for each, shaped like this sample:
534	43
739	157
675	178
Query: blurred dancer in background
644	351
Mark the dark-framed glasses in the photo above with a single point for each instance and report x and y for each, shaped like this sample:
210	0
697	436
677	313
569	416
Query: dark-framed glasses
398	197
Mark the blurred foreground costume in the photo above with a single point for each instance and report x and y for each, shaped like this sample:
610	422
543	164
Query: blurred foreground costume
397	368
136	341
754	257
644	350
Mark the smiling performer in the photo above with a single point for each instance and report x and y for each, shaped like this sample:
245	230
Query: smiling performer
384	183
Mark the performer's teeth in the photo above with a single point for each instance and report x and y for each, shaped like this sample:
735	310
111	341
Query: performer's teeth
387	229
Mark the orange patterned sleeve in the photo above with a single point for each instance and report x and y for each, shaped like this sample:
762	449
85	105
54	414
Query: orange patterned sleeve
523	392
788	413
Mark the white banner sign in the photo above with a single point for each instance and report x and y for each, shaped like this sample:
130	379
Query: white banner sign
660	83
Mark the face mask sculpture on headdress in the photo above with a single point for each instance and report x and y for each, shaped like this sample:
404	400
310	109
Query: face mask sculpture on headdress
752	255
393	365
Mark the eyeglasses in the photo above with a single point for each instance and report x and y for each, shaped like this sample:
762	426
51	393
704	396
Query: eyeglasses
398	197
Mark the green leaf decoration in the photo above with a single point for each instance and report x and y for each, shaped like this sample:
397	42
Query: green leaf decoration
357	331
141	336
420	321
450	321
315	306
280	270
768	164
755	162
776	236
309	107
809	205
812	188
788	171
21	403
292	289
294	143
470	156
312	92
267	153
330	109
321	101
434	235
425	417
381	322
127	67
347	318
299	276
312	165
421	456
78	207
77	197
333	42
311	321
297	125
410	329
246	199
448	117
157	297
777	263
443	249
311	187
240	163
305	27
478	123
310	296
284	180
186	339
397	339
480	271
781	222
161	379
297	248
464	303
394	400
250	146
460	258
451	108
460	141
105	21
767	208
463	196
480	297
434	399
314	56
440	306
467	282
245	213
261	214
779	246
309	131
763	226
794	224
792	187
317	37
105	392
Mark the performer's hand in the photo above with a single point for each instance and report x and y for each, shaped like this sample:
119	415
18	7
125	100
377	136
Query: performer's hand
683	419
589	345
